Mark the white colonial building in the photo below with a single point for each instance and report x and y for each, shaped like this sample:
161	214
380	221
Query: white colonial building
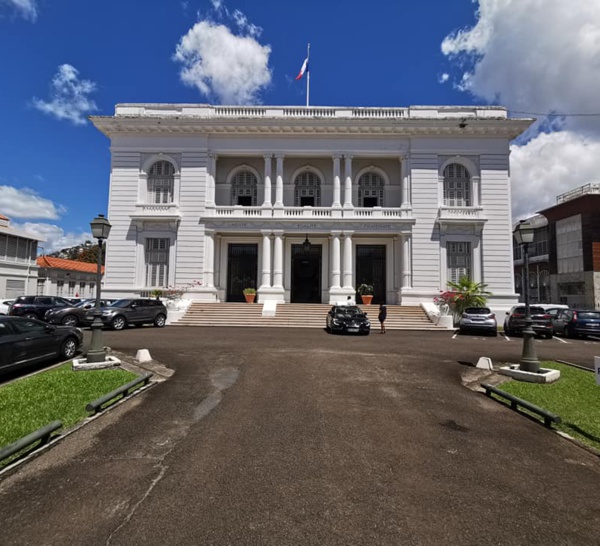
305	204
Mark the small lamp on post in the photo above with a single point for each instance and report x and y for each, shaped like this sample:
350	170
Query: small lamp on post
100	230
524	234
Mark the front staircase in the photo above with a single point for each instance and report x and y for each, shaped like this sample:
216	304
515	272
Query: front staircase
297	315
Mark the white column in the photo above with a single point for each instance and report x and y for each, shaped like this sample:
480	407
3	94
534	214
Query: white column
279	181
212	172
268	163
405	174
475	189
278	260
336	181
209	258
406	260
335	259
348	261
476	247
266	260
348	181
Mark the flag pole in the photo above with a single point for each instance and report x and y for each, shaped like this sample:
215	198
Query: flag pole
308	76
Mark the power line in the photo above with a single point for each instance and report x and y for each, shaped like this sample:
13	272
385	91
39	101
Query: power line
548	114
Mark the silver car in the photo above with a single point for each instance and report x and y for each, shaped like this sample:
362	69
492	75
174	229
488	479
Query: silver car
478	319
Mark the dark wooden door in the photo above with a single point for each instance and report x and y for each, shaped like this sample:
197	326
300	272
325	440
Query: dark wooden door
306	274
242	270
370	269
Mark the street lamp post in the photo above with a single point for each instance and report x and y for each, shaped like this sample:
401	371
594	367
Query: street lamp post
524	233
100	230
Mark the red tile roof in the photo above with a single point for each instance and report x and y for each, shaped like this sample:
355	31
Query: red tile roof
69	265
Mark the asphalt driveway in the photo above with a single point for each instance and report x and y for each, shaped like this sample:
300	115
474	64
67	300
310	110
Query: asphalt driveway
296	437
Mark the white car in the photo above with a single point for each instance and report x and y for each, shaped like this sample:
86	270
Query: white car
4	305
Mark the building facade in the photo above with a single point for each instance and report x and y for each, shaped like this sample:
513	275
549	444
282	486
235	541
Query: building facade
574	247
66	278
306	204
18	270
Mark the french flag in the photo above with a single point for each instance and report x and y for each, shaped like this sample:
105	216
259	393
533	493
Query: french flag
303	69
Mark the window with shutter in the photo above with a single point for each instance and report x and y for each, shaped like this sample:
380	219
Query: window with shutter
161	182
244	189
307	190
458	257
370	190
157	262
457	186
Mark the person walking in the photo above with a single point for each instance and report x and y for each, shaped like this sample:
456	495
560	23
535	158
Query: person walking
382	316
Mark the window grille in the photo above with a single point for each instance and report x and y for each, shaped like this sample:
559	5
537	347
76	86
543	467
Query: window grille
71	290
41	283
370	190
244	189
157	262
92	289
59	287
457	186
458	257
81	289
307	190
160	182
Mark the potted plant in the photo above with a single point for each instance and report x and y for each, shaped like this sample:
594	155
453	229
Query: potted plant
249	294
366	293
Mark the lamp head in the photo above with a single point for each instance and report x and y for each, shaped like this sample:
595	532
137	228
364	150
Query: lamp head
306	244
524	233
100	227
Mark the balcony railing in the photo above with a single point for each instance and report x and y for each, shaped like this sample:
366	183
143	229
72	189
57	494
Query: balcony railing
156	211
316	213
460	213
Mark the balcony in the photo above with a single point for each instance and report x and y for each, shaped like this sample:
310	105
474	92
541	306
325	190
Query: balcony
312	213
452	216
156	211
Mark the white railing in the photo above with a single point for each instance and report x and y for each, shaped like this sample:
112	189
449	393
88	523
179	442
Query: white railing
459	213
315	213
577	192
155	209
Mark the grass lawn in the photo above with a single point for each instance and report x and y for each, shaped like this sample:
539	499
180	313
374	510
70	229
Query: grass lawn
57	394
575	397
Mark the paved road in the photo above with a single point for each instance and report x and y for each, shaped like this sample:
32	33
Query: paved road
282	437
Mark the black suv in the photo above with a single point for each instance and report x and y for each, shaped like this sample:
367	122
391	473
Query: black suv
136	311
36	306
347	319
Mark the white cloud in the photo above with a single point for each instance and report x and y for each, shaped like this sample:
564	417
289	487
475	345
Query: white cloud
69	96
549	165
231	69
25	8
26	203
443	78
538	57
56	238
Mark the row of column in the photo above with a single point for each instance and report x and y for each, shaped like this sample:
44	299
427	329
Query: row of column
268	158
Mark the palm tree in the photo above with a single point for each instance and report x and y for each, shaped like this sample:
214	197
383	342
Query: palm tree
468	293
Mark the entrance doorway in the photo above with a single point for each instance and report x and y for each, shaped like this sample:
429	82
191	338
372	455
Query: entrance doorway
242	268
370	269
306	274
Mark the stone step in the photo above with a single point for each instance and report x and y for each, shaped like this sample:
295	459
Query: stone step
296	315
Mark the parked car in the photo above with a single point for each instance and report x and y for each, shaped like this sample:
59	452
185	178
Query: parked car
347	319
128	311
25	341
577	323
74	315
36	306
478	319
515	321
5	306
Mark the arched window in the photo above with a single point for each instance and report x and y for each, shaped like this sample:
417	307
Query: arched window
370	190
457	186
161	182
243	189
307	190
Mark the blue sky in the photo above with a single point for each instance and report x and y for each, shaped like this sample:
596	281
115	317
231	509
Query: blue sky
65	60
